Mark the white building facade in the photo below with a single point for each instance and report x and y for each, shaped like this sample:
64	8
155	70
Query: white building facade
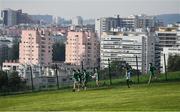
168	36
9	17
77	21
169	43
125	46
105	24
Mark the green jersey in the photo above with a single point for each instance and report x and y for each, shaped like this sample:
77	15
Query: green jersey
152	69
76	76
80	75
85	76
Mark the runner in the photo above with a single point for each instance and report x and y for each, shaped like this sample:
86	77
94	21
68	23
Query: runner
85	79
96	77
152	70
80	75
128	76
76	81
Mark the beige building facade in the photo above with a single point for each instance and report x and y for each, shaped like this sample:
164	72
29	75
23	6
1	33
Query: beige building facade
82	47
35	47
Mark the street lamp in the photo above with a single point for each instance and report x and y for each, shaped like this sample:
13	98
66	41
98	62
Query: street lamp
57	78
137	70
32	85
82	67
165	69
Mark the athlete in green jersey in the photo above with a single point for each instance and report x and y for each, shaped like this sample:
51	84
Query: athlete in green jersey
152	72
85	79
76	80
80	75
128	75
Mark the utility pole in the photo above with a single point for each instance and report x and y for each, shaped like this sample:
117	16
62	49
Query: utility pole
32	85
57	79
82	67
137	71
7	80
165	67
109	71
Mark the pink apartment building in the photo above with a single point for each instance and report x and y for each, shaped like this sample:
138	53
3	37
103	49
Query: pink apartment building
83	47
35	47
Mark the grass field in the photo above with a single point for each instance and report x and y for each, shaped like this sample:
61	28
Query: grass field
157	96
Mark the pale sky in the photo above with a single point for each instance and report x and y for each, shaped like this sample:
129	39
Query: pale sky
93	8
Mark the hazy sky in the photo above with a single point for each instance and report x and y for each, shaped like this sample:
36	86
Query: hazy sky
93	8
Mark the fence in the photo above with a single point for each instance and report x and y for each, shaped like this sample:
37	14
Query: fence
109	76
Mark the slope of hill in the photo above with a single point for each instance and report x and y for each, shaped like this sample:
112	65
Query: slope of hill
156	97
169	18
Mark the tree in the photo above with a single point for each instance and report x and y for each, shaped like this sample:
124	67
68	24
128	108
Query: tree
59	52
3	80
14	81
117	70
11	81
14	52
174	63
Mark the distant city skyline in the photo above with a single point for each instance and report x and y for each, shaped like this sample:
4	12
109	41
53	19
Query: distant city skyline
93	8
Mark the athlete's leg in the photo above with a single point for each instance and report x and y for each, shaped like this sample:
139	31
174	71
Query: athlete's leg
150	79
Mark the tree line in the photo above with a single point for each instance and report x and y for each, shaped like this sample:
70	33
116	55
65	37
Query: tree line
11	82
174	63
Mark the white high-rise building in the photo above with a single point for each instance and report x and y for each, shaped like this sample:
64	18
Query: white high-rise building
77	21
168	36
125	46
130	23
9	17
169	42
56	20
105	24
144	21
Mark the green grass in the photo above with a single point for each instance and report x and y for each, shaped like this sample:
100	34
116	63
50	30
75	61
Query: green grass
157	96
143	79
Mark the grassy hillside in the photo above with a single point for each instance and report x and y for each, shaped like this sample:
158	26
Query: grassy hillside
157	96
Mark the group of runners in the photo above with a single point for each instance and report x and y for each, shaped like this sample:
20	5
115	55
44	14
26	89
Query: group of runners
81	78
